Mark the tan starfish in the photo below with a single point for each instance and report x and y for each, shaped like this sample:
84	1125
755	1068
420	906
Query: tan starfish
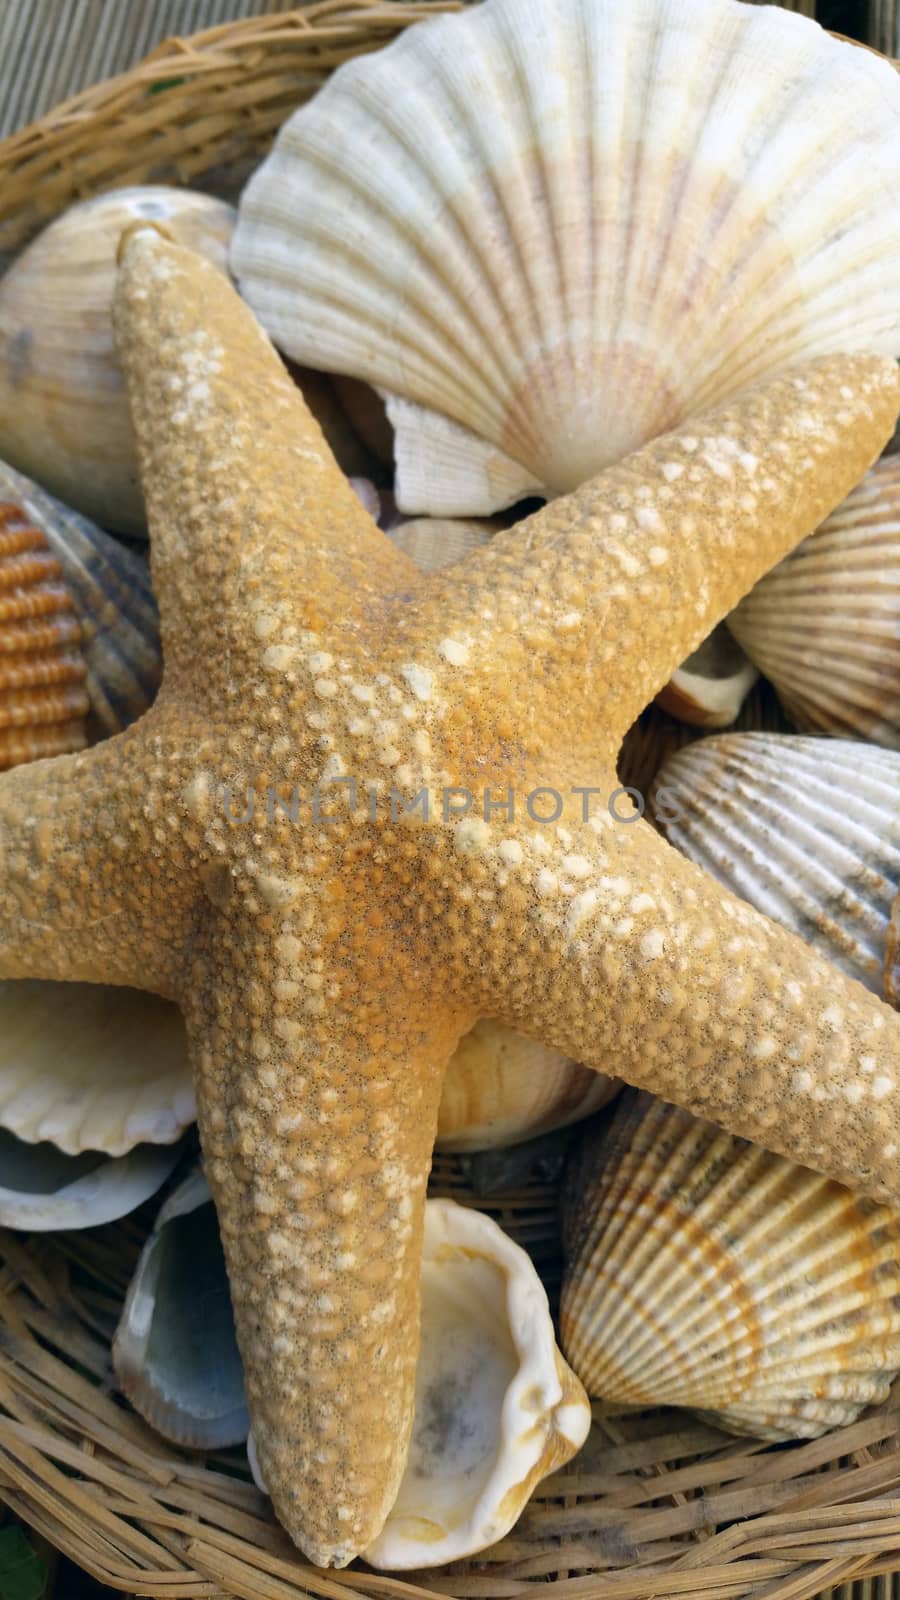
326	968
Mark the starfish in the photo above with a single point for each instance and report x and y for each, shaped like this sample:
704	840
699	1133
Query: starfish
259	847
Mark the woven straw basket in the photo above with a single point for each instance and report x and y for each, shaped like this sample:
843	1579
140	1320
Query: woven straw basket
658	1504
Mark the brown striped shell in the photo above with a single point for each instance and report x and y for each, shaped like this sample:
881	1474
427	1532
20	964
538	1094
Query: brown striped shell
110	589
43	698
705	1272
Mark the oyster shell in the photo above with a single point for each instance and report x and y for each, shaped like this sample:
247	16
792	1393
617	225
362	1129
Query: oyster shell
41	1188
175	1352
43	699
705	1272
501	1088
806	829
549	230
91	1068
112	597
497	1409
64	416
824	626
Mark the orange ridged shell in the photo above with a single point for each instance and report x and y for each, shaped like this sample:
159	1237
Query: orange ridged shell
43	698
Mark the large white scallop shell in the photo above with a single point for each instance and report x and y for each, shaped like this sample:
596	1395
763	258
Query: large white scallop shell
806	829
92	1068
64	416
824	626
501	1088
497	1408
549	230
705	1272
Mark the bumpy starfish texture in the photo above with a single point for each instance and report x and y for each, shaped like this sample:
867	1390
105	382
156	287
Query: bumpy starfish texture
326	966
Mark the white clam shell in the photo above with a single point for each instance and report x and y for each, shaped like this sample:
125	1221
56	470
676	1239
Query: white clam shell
824	626
497	1408
710	687
175	1351
501	1088
64	416
435	542
41	1188
92	1068
706	1272
548	230
806	829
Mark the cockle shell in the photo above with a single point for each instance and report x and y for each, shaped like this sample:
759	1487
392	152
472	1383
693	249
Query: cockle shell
92	1068
709	688
549	230
64	416
704	1272
656	735
43	699
806	829
501	1088
174	1352
41	1188
497	1409
110	590
824	626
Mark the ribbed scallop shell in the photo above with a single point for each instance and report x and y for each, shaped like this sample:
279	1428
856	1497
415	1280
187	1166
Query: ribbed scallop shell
824	626
43	699
501	1088
656	735
807	830
549	230
705	1272
64	415
110	589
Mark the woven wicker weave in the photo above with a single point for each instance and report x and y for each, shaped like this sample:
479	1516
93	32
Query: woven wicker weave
658	1505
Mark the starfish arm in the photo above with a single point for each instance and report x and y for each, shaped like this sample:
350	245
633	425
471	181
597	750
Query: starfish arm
78	874
246	506
317	1114
589	605
613	947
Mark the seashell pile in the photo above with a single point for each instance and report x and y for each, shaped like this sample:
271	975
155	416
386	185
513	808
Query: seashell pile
704	1272
503	253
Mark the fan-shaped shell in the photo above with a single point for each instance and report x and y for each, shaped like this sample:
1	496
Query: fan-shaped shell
807	830
705	1272
824	626
109	587
92	1068
64	416
656	735
549	230
43	699
42	1188
175	1352
710	687
501	1088
497	1409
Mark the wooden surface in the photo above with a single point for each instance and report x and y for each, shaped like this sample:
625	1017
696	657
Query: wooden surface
49	49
